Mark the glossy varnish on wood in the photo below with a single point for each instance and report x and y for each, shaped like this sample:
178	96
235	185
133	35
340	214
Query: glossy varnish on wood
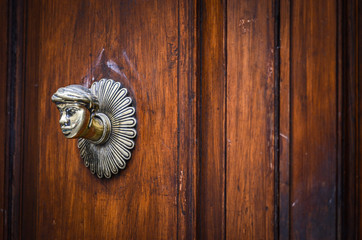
250	120
358	139
211	197
313	193
236	138
312	87
284	121
351	121
145	200
14	114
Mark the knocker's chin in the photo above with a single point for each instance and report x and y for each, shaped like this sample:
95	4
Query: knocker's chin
68	132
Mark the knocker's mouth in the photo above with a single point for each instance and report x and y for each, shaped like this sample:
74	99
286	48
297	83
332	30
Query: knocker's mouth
66	131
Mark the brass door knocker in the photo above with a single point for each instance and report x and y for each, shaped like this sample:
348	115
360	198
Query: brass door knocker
102	117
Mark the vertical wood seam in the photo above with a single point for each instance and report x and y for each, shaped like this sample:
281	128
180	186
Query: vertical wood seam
187	150
339	119
276	115
10	122
358	189
284	119
10	105
15	117
290	116
225	22
23	100
4	108
178	122
199	105
192	122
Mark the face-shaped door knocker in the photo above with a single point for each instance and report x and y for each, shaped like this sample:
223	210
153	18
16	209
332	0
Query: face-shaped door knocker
102	117
73	119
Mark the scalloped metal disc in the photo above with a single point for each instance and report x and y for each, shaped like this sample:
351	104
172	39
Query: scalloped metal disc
106	159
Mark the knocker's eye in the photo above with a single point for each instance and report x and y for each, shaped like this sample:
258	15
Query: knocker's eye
70	111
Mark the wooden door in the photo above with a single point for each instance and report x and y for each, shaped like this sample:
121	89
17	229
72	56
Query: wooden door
147	46
247	117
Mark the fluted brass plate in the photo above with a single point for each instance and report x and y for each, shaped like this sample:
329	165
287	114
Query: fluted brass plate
107	158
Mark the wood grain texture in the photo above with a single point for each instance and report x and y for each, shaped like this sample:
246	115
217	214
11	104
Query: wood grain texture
15	117
3	111
29	207
313	120
211	198
202	75
350	165
359	114
152	198
250	120
340	189
284	121
187	120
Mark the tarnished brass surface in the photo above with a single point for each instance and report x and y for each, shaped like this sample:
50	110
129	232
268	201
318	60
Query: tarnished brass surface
77	106
103	119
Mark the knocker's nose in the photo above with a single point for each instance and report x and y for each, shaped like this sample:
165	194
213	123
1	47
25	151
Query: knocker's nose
62	119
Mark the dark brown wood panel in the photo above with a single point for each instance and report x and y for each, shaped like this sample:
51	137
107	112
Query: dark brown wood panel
358	24
3	112
187	120
350	214
29	208
211	207
339	118
284	121
250	120
233	141
313	120
153	198
14	114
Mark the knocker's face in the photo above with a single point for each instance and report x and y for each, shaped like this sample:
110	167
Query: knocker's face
74	119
